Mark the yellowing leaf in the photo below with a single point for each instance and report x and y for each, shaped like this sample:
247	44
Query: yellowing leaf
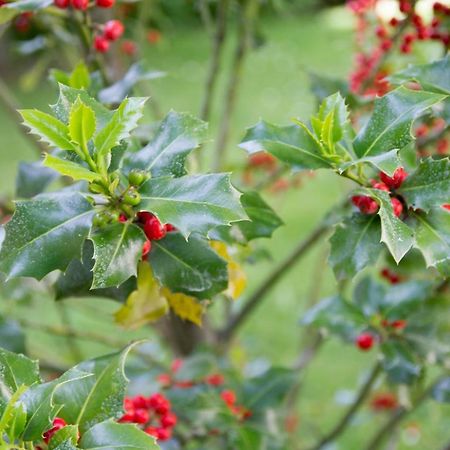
184	306
237	279
145	304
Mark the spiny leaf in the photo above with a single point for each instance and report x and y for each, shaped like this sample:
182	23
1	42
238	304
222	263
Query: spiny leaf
81	123
185	306
69	168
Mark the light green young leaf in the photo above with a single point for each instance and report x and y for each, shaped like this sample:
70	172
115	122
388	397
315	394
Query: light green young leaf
80	78
69	168
82	123
51	130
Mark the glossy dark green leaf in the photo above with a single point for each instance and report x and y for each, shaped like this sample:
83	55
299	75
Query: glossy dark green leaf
389	127
195	203
27	5
355	245
291	144
441	392
33	178
398	237
263	219
177	135
45	234
400	362
93	399
191	267
110	435
385	162
433	238
429	185
117	251
432	77
115	93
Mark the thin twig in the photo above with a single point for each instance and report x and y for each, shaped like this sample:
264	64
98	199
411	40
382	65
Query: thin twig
386	430
354	407
216	57
255	300
245	32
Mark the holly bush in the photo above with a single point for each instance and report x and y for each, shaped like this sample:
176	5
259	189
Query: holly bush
131	209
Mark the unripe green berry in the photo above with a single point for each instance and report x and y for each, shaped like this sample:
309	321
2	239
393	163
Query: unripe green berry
96	188
137	177
132	197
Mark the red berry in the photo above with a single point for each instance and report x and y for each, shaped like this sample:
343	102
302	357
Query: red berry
386	45
394	22
129	47
168	420
80	4
159	403
396	180
176	365
139	401
392	277
101	44
58	423
164	379
113	30
446	206
215	379
229	397
154	229
122	218
169	227
379	185
365	341
384	402
63	4
127	418
397	206
146	248
398	324
141	416
365	204
152	431
153	36
163	434
186	384
442	146
105	3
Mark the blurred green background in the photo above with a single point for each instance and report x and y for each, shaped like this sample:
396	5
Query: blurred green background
274	86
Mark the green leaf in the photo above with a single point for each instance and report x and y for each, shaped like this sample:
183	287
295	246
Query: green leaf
432	77
81	123
400	363
115	93
441	392
45	234
33	178
292	144
110	435
195	203
27	5
67	435
433	238
124	120
16	370
69	168
389	127
355	245
263	219
397	236
176	137
51	130
68	96
385	162
93	399
12	337
429	185
117	251
191	267
80	78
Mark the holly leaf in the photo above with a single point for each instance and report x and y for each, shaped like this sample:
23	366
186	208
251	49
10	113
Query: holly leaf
27	5
293	144
432	77
432	232
69	168
68	435
33	178
145	304
51	130
191	267
400	363
429	185
110	435
177	135
117	251
122	123
81	123
93	399
263	219
80	78
12	336
185	306
195	203
397	236
385	162
389	127
45	234
355	245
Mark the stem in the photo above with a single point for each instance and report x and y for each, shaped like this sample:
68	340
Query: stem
237	320
248	18
386	430
216	56
354	407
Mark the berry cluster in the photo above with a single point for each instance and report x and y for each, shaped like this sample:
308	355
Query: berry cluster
153	414
367	205
229	398
383	401
112	31
83	4
431	137
365	341
390	276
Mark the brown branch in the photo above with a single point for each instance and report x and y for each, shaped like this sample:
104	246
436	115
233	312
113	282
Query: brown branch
245	31
354	407
255	300
386	430
216	56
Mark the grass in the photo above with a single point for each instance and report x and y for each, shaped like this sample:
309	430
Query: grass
275	86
